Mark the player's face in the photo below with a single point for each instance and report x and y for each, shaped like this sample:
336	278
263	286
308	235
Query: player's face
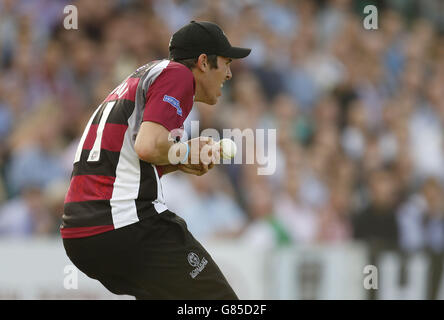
215	79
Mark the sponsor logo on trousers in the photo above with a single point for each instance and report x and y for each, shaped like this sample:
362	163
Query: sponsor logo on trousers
194	261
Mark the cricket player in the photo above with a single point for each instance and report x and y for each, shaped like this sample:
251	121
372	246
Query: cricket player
116	227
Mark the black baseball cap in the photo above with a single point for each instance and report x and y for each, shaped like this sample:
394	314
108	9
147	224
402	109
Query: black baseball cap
203	37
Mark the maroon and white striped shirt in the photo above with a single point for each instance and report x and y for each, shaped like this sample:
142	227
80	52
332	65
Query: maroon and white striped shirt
110	186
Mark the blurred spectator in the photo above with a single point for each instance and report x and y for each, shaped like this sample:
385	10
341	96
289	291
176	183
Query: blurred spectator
301	222
210	211
377	223
34	158
421	223
54	198
266	229
26	215
335	217
353	136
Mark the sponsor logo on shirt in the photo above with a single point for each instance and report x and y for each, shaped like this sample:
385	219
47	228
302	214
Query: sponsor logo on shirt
174	102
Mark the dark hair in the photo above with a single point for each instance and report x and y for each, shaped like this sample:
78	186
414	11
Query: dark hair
191	63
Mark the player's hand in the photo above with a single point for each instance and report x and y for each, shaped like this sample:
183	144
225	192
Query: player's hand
197	170
200	159
203	150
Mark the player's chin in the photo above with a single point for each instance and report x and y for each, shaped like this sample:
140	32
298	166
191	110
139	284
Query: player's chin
213	101
216	98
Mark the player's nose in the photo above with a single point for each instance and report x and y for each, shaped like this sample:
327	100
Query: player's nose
229	75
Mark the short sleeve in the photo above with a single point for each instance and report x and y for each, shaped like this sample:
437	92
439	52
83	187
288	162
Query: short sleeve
170	97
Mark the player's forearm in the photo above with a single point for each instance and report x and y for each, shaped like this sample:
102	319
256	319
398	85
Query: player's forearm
152	145
164	154
168	168
156	152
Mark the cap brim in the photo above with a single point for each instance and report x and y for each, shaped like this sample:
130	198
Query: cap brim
236	53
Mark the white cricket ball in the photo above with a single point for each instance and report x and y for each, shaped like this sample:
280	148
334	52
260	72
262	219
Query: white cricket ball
228	148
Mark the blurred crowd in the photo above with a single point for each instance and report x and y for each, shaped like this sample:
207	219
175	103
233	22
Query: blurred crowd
359	115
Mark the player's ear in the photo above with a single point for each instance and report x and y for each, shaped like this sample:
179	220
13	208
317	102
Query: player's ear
202	62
